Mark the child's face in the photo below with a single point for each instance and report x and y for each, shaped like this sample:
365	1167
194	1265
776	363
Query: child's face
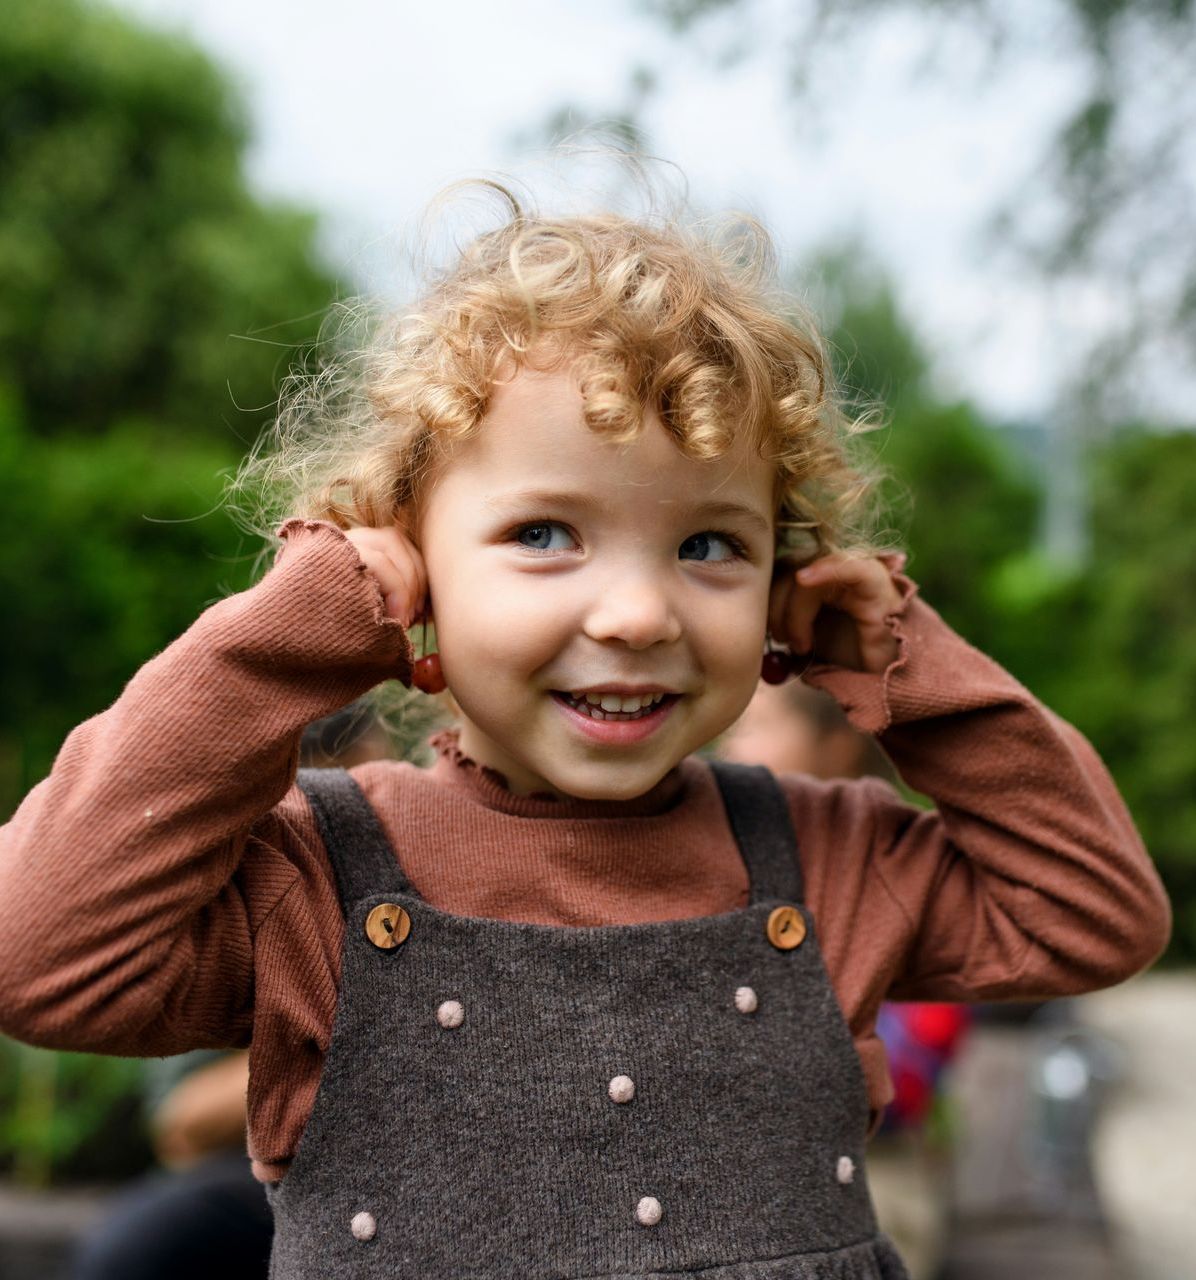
561	564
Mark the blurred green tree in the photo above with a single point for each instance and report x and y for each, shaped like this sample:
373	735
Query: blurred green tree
151	303
113	543
1112	646
1138	641
141	276
962	500
70	1117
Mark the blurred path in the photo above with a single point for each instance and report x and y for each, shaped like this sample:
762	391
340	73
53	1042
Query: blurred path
1023	1199
1038	1192
1145	1149
39	1229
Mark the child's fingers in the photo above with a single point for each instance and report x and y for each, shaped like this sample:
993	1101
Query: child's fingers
791	612
860	585
836	607
411	567
407	602
797	624
784	585
397	567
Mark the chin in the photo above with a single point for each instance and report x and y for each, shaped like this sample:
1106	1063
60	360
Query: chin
609	786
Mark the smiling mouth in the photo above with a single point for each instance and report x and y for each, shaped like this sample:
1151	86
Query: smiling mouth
613	707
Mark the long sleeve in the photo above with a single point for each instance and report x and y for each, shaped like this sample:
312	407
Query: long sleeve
127	924
1027	880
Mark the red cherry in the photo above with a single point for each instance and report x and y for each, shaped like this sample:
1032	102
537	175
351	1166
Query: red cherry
427	675
774	667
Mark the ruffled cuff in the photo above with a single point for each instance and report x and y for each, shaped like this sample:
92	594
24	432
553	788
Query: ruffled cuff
353	614
869	698
291	534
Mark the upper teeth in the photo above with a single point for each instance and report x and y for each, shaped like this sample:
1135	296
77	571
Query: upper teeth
613	702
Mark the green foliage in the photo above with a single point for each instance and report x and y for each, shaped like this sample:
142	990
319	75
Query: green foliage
1141	644
135	262
879	358
113	543
964	503
141	276
1112	646
973	508
69	1116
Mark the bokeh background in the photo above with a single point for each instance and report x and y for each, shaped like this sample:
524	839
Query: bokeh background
990	205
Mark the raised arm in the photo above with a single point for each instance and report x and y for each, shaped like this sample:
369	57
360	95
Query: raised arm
1028	879
126	918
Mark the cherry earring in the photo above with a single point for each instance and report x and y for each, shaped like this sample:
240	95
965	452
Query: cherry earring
775	666
426	675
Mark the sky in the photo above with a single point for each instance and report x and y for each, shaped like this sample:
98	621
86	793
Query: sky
365	109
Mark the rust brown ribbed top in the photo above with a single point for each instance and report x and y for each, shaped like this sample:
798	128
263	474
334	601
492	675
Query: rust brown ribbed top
165	887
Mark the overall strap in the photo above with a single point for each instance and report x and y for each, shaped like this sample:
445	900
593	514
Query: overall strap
760	822
362	857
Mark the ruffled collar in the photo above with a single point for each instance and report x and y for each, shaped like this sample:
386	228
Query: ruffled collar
488	787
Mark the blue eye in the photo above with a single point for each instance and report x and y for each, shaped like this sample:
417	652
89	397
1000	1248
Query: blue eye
710	547
545	536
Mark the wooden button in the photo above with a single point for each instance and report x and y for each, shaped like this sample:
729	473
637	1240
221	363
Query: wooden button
387	926
786	928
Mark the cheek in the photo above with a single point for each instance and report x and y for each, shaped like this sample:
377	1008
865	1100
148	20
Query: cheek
733	661
735	630
499	629
730	650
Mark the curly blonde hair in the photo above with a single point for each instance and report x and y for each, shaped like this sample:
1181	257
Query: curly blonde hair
648	312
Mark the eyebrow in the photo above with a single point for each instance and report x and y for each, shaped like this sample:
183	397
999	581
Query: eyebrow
520	499
731	511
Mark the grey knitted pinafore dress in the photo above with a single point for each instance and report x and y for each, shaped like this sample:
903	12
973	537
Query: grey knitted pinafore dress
508	1100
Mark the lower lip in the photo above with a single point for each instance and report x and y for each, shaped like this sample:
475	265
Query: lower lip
617	733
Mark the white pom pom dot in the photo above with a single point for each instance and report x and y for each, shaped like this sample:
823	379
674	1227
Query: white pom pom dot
621	1089
363	1226
451	1014
845	1170
745	1000
648	1211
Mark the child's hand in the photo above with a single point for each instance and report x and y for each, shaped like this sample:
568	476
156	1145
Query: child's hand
835	608
398	567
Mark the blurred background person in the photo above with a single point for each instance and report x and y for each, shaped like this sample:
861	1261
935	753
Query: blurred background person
201	1213
792	728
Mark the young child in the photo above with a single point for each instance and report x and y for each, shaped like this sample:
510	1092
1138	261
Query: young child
571	1002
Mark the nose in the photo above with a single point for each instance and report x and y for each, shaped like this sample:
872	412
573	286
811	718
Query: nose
635	609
